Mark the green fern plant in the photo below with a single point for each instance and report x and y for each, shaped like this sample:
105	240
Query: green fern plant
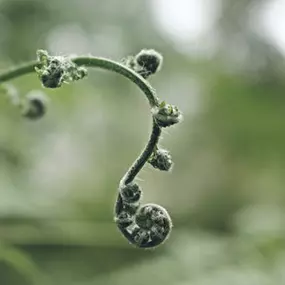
145	226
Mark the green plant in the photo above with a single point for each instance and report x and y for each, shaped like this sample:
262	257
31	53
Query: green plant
144	226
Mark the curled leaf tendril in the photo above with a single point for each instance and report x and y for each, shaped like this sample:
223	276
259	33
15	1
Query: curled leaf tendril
144	226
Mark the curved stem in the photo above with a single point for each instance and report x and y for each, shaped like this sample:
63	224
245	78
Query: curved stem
123	70
144	156
141	83
111	65
139	163
18	71
91	61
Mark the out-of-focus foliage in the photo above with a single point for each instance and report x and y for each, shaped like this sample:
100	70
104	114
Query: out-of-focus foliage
59	175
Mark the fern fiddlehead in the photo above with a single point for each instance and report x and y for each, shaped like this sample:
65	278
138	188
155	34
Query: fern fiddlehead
145	226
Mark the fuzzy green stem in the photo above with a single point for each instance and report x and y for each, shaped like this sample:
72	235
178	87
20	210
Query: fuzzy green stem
140	82
123	70
18	71
139	162
111	65
90	61
144	156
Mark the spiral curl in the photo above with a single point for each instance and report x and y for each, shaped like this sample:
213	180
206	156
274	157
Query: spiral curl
154	222
149	225
145	226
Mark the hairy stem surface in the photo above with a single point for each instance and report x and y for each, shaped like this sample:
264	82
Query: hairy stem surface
144	156
111	65
97	62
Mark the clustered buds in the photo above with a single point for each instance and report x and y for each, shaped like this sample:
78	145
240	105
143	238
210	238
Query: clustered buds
131	193
147	62
35	105
161	159
149	225
146	226
166	115
55	70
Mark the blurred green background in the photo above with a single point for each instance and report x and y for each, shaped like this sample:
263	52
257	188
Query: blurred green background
224	68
